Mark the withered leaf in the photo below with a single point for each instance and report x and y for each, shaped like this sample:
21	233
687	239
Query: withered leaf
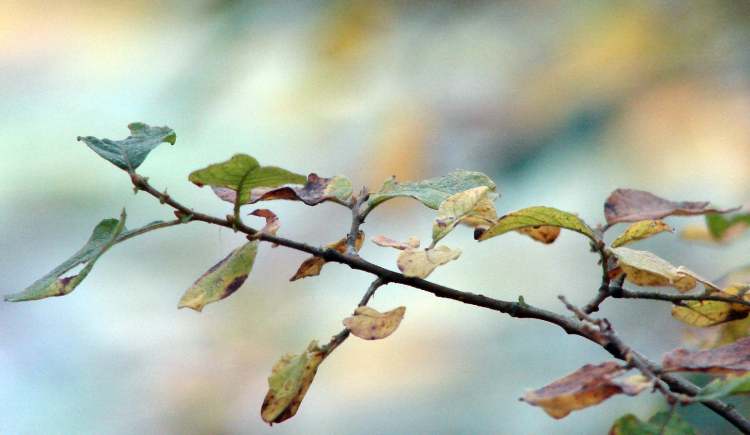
290	379
630	205
641	230
421	262
272	221
313	265
731	359
459	206
587	386
646	269
370	324
387	242
543	234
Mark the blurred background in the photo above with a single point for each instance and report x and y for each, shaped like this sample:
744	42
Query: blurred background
559	102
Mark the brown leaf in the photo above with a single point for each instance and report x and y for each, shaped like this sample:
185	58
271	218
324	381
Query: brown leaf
370	324
272	221
387	242
313	265
725	360
630	205
587	386
544	234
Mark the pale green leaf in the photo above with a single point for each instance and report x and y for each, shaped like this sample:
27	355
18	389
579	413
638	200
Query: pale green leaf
455	208
433	191
719	387
223	279
535	217
54	284
130	152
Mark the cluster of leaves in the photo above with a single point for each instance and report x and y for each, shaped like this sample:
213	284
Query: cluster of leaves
461	197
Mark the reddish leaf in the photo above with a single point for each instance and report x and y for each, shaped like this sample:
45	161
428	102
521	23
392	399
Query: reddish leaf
272	221
731	359
630	205
313	265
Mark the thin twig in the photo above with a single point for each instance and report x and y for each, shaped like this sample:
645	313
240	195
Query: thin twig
621	293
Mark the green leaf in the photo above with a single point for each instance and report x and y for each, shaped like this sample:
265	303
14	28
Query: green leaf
241	174
719	388
54	284
130	152
223	279
537	216
718	225
662	423
433	191
455	208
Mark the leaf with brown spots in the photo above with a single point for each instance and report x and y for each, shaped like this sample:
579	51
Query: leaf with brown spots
290	379
387	242
630	205
641	230
272	221
646	269
543	234
313	265
370	324
421	262
587	386
733	359
223	279
460	206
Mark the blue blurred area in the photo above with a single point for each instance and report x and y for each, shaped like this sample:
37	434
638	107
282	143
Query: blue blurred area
560	102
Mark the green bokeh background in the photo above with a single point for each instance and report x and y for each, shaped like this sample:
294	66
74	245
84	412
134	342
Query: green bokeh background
559	102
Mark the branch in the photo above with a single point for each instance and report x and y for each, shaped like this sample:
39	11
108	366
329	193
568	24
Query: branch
621	293
357	219
520	310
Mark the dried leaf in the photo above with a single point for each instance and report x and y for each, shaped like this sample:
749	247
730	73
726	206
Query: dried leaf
646	269
370	324
630	205
313	265
662	423
421	262
223	279
587	386
484	213
455	208
641	230
129	153
54	283
433	191
386	242
536	217
543	234
730	359
290	379
272	221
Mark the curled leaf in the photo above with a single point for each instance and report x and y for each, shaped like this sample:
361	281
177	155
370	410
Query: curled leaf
733	359
433	191
646	269
630	205
421	262
54	283
641	230
129	153
456	208
223	279
315	190
386	242
537	217
587	386
290	379
313	265
370	324
662	423
272	221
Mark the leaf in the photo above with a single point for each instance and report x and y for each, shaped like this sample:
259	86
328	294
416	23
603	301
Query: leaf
707	313
456	208
386	242
290	379
731	359
641	230
223	279
315	190
54	284
543	234
537	217
719	388
421	262
313	265
241	174
718	229
630	205
129	153
272	221
433	191
587	386
370	324
646	269
662	423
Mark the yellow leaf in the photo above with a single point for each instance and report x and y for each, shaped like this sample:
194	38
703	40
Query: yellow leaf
646	269
370	324
705	313
421	262
313	265
290	379
457	207
641	230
